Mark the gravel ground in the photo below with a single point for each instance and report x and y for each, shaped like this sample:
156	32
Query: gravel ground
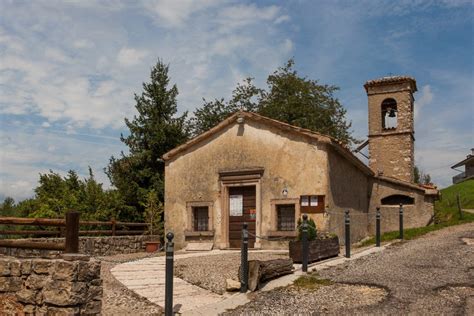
211	272
431	275
117	299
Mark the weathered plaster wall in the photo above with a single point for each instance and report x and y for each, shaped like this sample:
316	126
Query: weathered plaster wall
289	160
93	246
50	286
416	215
348	190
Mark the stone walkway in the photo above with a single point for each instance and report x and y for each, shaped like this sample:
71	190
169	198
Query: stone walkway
146	277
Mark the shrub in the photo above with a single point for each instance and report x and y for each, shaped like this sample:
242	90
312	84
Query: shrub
312	232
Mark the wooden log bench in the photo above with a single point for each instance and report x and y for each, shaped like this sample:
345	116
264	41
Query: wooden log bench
263	271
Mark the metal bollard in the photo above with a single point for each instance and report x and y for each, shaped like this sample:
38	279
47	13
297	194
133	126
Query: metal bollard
304	243
169	275
244	263
401	220
347	222
377	227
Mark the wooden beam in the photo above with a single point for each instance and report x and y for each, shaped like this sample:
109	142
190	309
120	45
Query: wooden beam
31	245
29	232
32	221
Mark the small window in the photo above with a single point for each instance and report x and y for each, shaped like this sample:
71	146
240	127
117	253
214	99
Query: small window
286	217
398	199
201	218
312	203
389	114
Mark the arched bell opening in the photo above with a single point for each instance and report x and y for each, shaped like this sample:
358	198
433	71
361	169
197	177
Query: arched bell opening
389	114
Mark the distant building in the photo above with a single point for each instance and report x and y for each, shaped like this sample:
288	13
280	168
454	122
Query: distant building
469	168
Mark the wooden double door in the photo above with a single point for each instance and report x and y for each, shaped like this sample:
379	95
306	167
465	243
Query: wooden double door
242	209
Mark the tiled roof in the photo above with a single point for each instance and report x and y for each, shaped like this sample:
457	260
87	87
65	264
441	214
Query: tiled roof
389	80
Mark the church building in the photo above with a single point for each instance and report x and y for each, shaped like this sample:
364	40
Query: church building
254	169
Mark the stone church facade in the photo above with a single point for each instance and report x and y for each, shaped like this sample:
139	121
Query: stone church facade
254	169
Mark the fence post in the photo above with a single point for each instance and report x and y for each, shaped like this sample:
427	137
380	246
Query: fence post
114	223
377	227
304	243
244	263
347	222
458	200
72	232
169	275
401	220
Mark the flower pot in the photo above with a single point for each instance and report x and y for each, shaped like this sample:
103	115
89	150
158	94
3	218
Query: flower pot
318	249
152	246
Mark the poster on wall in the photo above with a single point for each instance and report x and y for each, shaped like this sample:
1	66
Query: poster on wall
236	205
253	213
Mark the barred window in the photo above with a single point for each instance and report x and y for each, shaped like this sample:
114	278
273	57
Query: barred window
201	218
286	217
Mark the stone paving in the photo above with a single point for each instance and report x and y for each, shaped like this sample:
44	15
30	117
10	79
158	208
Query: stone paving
146	277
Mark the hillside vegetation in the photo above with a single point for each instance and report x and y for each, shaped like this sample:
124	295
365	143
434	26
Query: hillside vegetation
446	208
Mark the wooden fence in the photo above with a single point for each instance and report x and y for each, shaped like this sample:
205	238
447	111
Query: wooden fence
69	227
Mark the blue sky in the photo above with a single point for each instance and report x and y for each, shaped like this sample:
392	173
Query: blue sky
68	69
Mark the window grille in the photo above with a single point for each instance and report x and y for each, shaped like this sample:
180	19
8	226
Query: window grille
201	218
286	217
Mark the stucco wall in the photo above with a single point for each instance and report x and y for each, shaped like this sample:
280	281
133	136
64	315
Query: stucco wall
348	190
416	215
290	161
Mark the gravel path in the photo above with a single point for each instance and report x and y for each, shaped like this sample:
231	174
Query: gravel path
433	274
211	272
117	299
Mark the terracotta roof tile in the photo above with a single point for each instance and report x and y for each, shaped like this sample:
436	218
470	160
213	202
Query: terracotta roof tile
389	80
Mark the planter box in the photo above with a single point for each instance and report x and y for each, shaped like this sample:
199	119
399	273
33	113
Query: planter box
152	246
318	249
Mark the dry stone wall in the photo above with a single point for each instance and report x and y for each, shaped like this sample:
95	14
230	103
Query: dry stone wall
92	246
50	286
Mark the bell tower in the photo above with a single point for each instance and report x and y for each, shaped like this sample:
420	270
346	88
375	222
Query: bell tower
391	126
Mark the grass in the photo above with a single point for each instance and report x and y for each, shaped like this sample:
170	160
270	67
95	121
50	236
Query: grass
311	281
446	213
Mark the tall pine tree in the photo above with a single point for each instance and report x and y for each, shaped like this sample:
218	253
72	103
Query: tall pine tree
155	130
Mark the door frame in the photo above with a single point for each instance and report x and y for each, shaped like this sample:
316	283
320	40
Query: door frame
235	182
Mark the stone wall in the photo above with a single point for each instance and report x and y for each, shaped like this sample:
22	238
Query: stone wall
391	151
418	214
92	246
50	286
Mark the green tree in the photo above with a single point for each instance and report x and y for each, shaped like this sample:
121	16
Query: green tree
155	130
7	208
420	177
154	214
244	97
289	98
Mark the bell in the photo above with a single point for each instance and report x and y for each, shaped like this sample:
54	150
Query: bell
392	113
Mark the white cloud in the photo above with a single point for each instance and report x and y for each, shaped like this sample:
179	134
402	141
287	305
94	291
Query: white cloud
83	43
425	99
131	56
171	13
